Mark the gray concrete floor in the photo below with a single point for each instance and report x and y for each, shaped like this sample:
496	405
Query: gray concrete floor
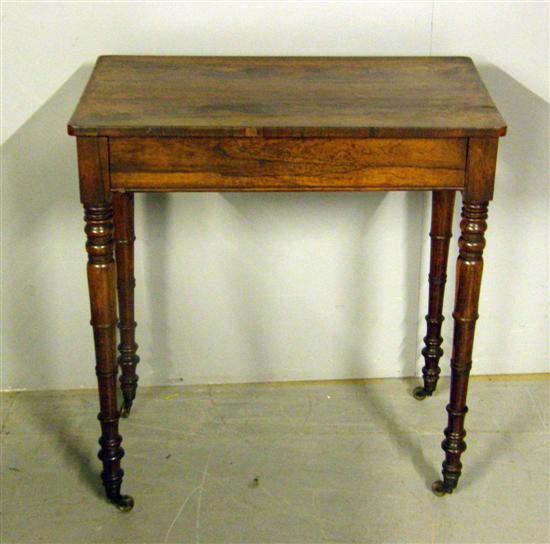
304	463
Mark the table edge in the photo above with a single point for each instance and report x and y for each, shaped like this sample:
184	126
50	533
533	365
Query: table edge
74	129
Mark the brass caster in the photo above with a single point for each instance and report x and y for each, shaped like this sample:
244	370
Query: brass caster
419	393
124	503
125	409
438	488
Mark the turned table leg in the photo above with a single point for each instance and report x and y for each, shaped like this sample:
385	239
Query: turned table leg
98	215
468	280
440	234
123	208
101	282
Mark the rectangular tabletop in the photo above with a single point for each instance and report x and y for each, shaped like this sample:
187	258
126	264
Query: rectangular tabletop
352	97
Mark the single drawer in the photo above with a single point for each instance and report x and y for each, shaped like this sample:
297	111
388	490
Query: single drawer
284	164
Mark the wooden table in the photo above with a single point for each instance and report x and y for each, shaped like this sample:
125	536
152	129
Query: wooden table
282	124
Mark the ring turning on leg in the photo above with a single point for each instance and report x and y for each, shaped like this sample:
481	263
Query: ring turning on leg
440	234
101	281
123	207
468	282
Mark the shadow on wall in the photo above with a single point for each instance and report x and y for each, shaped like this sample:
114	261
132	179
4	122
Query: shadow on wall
157	257
44	282
520	211
44	258
245	283
42	246
518	246
524	149
360	297
47	339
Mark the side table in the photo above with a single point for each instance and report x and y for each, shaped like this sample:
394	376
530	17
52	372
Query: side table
282	124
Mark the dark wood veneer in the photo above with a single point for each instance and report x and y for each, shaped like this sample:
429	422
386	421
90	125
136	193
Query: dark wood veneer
277	164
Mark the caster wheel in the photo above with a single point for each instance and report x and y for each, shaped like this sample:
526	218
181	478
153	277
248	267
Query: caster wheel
439	489
419	393
125	410
124	503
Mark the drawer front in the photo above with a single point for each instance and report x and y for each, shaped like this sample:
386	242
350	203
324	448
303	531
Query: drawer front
275	164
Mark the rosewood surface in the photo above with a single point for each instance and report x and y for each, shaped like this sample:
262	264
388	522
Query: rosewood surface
282	124
279	164
286	96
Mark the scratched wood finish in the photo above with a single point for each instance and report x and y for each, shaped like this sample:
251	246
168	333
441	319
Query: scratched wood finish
286	97
248	164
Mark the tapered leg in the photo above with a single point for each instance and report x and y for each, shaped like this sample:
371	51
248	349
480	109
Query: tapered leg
101	282
468	280
440	234
123	207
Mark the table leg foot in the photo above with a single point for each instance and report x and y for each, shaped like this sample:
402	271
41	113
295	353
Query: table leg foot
439	488
126	408
124	503
420	393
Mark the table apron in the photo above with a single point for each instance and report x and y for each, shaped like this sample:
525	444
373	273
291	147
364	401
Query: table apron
275	164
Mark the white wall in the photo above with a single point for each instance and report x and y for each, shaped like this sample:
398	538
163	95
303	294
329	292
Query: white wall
255	287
